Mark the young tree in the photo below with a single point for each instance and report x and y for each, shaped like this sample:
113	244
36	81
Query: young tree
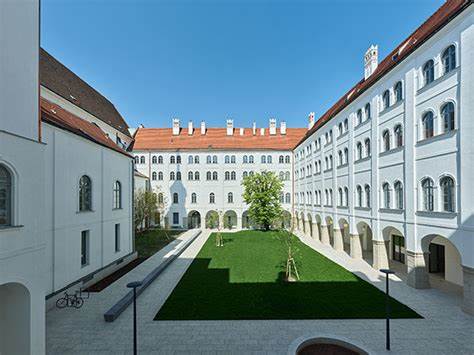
145	206
262	193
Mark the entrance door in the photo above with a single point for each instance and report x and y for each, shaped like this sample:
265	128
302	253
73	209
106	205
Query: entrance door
436	258
398	244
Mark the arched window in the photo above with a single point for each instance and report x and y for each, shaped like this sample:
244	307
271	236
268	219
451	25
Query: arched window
230	197
160	197
190	159
193	197
269	159
428	72
117	201
428	124
398	136
178	159
226	159
282	175
367	147
172	159
245	174
172	175
449	59
263	159
208	175
427	188
245	159
190	175
208	159
250	173
398	187
287	159
287	176
251	159
341	197
178	175
346	196
6	193
142	160
359	116
85	193
175	197
359	150
196	159
212	198
367	111
341	159
281	159
359	196
160	176
447	114
346	155
367	196
232	175
287	198
386	99
214	159
232	159
196	175
137	159
214	175
346	125
386	140
160	159
386	195
153	175
398	91
226	175
447	193
153	160
340	130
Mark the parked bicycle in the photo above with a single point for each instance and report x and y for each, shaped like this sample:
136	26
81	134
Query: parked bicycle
76	300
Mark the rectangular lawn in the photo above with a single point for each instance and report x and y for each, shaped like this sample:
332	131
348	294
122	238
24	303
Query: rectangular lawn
244	279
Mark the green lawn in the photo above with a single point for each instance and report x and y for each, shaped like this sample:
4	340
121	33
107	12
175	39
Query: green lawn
244	280
151	241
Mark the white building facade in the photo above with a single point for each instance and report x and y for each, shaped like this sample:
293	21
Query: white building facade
387	175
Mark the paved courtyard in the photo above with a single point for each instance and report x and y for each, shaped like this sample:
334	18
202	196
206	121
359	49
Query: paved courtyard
444	329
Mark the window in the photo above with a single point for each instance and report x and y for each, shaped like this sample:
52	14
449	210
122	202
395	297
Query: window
245	174
263	159
346	155
359	196
226	159
190	159
5	196
245	159
160	198
359	116
196	176
160	176
287	159
172	160
330	162
85	193
447	193
428	125
449	59
346	196
269	159
117	201
190	175
428	194
214	175
398	195
208	175
175	218
142	160
367	147
398	136
287	176
398	91
232	159
251	159
367	111
232	175
172	175
84	248
386	195
341	159
359	150
153	175
281	159
447	114
341	130
160	159
209	159
212	198
193	197
428	72
137	159
214	159
346	125
230	197
341	197
287	198
386	99
226	175
117	237
175	197
178	175
178	159
367	196
386	140
153	160
196	159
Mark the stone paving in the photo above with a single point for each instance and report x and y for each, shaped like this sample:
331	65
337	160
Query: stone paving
445	328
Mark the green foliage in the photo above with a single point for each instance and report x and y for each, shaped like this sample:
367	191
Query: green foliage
262	193
145	206
212	220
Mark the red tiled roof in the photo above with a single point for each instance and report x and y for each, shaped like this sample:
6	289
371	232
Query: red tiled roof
57	116
434	23
215	138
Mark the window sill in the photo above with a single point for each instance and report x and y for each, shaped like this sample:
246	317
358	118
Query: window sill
343	166
391	210
363	208
117	209
362	123
362	160
436	214
343	135
343	207
391	108
327	206
441	136
88	211
391	151
11	227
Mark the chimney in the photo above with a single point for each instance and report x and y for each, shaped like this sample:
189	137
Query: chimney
273	126
254	128
176	127
371	60
203	128
241	131
283	127
190	128
311	120
262	131
230	127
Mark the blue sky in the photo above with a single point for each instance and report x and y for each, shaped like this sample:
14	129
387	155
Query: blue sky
212	60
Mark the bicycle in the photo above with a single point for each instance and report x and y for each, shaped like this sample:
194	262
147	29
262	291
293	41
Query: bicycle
70	301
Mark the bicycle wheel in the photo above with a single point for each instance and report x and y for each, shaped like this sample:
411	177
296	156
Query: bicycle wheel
78	302
61	303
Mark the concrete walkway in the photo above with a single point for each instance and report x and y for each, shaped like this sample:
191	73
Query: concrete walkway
445	329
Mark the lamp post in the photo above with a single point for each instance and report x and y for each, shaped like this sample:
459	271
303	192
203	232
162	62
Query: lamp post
134	285
387	273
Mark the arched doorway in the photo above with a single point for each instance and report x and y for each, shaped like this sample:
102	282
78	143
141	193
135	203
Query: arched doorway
310	225
194	220
15	319
212	219
230	219
318	226
285	220
330	226
303	223
396	251
366	244
344	227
